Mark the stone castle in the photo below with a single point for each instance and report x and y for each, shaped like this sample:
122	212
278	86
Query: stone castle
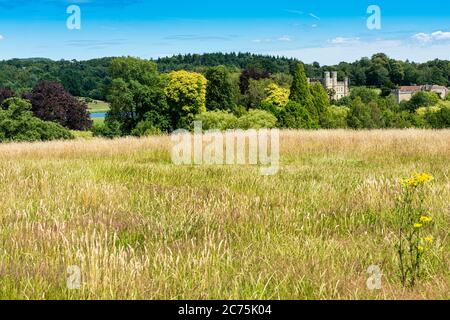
336	89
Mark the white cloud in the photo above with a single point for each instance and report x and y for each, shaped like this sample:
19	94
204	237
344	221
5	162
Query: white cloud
430	37
1	37
332	54
441	35
343	41
422	37
285	39
314	16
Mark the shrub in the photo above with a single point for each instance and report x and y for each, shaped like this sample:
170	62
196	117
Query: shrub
401	120
221	120
110	129
17	123
334	117
438	118
256	119
422	99
145	128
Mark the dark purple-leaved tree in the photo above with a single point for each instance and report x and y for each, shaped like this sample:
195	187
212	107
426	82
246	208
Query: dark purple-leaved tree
5	93
51	102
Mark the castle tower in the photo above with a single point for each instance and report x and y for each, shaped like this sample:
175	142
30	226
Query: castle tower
346	85
334	79
328	83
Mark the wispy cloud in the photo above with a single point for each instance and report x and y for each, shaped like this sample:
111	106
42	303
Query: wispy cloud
1	37
314	16
285	39
343	41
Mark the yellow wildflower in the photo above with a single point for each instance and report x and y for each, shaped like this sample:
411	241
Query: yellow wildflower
417	179
420	248
418	225
425	219
429	239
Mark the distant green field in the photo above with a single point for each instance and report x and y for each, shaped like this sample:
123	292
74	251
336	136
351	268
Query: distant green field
97	106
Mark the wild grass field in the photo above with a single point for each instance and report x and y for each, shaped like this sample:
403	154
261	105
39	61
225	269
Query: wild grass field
140	227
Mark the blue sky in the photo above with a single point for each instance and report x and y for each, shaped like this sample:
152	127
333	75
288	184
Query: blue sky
320	30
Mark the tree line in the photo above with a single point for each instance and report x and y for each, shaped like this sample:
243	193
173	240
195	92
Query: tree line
144	100
92	78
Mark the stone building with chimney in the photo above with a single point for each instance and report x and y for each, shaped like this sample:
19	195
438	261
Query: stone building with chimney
330	82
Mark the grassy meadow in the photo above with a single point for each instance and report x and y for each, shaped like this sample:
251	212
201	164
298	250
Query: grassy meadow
97	106
140	227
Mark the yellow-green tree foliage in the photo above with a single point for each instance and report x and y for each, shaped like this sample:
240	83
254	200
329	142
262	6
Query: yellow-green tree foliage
186	95
276	95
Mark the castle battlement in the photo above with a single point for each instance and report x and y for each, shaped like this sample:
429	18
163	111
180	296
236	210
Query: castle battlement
336	89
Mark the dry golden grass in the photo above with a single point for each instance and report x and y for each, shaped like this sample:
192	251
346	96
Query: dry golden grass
141	228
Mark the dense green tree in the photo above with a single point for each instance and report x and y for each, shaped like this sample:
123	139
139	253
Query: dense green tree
295	116
321	101
300	93
137	94
365	94
257	93
219	89
396	71
364	116
334	118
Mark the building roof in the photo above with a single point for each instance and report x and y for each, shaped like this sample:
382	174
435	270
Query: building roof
410	88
